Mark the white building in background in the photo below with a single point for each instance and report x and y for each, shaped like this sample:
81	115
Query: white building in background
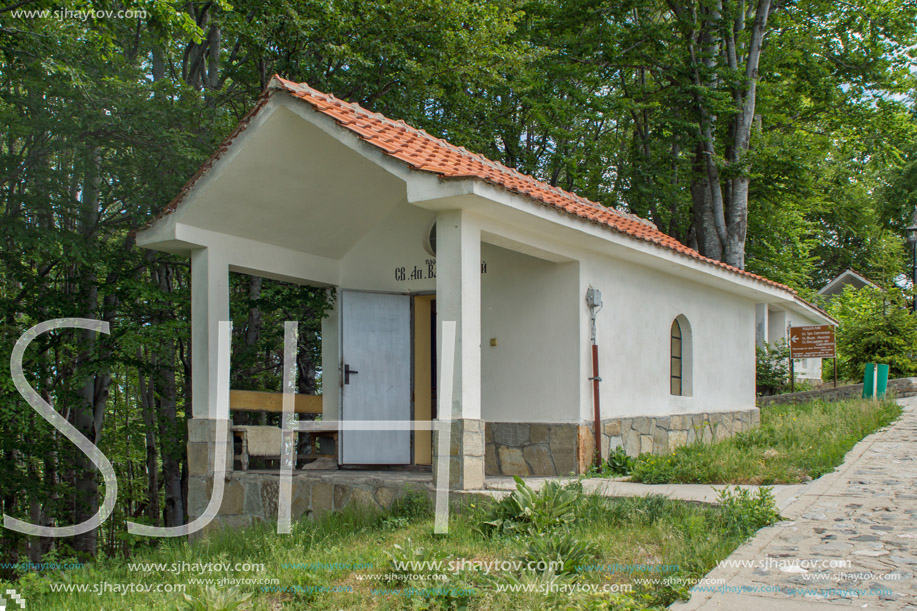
411	231
772	325
848	277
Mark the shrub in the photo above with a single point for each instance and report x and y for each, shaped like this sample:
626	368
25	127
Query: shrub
408	558
412	505
619	463
744	512
772	368
527	511
563	548
876	327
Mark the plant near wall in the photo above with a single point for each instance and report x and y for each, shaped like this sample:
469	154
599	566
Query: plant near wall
619	462
772	368
529	511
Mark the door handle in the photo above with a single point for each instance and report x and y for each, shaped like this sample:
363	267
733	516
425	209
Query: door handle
348	372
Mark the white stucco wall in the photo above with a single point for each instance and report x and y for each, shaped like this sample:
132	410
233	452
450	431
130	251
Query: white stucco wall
536	311
776	325
777	322
396	242
531	308
806	369
633	331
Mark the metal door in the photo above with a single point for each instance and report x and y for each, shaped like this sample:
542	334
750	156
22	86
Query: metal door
376	376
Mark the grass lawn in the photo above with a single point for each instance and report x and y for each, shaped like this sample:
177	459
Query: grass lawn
600	541
792	443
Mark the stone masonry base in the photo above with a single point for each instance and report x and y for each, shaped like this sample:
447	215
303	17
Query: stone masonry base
251	497
518	448
504	448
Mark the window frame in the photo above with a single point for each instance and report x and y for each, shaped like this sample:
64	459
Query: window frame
679	357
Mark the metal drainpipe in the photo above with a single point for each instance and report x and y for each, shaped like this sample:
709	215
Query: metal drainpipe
594	299
598	413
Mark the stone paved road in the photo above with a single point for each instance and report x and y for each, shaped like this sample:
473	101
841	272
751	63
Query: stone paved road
850	539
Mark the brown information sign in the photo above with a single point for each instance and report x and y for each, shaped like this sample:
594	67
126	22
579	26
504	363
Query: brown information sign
812	342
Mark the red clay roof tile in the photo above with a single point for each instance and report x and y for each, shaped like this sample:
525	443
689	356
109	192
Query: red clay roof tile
427	153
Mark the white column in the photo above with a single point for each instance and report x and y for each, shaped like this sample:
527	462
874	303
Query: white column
209	305
761	324
458	298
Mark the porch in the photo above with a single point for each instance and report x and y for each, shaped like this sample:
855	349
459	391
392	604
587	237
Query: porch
296	199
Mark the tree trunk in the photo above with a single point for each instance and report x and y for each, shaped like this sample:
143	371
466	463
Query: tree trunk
708	241
721	206
171	432
85	414
173	450
147	403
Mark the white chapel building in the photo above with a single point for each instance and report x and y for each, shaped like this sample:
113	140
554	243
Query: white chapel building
411	231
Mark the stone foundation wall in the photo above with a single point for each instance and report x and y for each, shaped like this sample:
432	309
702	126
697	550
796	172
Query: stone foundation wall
541	450
250	497
898	387
466	454
662	434
514	448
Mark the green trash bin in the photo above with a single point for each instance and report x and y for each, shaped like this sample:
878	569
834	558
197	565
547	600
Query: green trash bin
875	381
882	382
869	377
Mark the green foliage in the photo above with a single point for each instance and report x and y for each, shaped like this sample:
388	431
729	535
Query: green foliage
876	326
217	599
411	558
617	464
792	443
688	538
745	511
105	119
413	505
772	367
638	600
562	547
526	511
258	340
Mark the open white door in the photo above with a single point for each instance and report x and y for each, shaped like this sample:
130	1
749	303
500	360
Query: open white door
376	376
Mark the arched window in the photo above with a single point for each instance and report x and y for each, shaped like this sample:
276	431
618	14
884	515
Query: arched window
680	358
676	367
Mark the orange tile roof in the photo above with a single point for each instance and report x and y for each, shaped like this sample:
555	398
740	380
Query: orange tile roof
427	153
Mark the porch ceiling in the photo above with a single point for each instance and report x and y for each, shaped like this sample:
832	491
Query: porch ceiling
292	185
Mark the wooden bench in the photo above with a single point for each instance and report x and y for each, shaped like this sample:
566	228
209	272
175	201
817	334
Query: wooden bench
268	402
